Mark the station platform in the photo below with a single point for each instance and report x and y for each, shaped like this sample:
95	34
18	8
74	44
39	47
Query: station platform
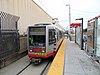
76	62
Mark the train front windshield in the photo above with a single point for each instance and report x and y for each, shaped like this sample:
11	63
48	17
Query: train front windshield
37	36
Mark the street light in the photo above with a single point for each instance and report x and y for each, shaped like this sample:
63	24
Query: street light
69	13
81	32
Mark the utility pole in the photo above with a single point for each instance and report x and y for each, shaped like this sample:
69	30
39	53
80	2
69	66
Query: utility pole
69	13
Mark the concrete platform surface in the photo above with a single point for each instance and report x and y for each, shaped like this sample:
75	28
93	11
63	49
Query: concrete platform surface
77	62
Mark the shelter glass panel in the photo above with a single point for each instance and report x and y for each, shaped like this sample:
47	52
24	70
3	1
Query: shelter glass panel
98	38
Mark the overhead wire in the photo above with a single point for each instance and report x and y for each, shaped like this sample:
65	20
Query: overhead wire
85	12
44	7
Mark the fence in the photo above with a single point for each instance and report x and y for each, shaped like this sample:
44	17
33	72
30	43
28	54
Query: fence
9	38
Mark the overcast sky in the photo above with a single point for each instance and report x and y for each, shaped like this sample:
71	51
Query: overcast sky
85	9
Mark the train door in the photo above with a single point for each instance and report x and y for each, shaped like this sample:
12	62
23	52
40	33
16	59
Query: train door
51	40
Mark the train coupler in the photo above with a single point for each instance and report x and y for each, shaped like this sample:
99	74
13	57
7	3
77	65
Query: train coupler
36	60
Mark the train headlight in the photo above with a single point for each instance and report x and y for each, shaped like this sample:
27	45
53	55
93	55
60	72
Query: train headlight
43	51
30	50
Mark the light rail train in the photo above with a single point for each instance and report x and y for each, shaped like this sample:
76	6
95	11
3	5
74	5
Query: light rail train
43	41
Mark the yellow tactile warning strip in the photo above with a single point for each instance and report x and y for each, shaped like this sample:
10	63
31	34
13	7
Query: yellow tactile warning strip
57	65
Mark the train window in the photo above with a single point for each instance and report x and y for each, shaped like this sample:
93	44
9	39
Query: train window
37	29
37	40
57	35
37	36
60	34
52	38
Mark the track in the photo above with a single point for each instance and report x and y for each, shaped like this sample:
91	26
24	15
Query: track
45	69
24	68
40	69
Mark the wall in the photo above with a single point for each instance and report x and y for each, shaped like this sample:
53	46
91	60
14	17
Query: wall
28	11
